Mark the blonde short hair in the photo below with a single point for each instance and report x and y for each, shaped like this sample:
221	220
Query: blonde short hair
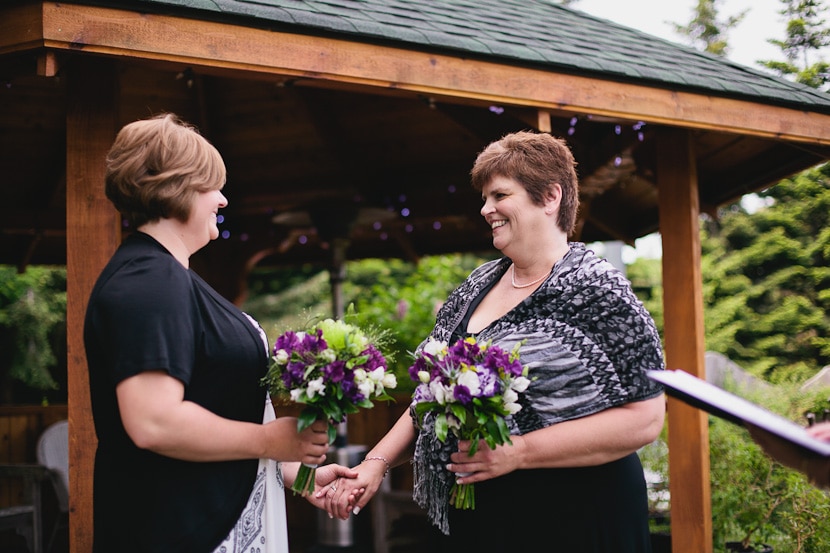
157	166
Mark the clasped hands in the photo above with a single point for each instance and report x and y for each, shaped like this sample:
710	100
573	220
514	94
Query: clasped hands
347	491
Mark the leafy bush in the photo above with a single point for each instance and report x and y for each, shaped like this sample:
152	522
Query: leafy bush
754	499
33	323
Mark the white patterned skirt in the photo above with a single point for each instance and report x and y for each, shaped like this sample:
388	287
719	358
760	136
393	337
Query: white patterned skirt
262	527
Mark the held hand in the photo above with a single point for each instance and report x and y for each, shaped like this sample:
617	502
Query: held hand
327	476
348	496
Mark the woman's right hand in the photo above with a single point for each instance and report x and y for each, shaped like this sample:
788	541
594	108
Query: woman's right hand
820	431
284	443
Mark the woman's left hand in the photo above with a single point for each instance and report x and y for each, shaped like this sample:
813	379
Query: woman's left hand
486	463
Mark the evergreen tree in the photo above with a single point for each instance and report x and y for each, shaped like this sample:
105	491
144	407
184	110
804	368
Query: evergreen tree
767	280
806	35
32	330
705	31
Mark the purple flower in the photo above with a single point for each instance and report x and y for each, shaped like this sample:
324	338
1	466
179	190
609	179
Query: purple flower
335	371
288	341
375	360
462	394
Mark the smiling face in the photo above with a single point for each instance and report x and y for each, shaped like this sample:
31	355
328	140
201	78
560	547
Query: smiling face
516	221
202	224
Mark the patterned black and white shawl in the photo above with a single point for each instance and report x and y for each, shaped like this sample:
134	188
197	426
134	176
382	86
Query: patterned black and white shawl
588	342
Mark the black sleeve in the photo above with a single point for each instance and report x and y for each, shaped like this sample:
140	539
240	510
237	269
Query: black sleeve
147	319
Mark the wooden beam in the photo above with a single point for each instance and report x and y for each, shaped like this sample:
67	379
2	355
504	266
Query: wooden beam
222	48
691	509
92	235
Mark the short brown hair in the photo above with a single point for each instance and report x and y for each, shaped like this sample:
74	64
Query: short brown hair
157	166
536	161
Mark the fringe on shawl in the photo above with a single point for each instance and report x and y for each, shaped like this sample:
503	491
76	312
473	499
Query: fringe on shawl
432	480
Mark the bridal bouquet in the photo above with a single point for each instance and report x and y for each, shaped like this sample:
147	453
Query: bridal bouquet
334	368
471	387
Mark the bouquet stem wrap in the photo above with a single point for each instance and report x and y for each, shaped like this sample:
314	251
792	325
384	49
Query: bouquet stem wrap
305	481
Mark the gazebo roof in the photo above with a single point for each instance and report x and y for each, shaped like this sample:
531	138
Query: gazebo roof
361	119
538	33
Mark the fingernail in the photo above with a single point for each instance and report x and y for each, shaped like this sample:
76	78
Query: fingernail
356	510
331	515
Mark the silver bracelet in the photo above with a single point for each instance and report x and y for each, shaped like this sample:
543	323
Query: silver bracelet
379	458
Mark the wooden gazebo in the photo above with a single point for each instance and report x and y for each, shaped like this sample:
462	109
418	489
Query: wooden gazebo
349	127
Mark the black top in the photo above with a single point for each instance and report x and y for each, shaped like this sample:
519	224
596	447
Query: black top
147	312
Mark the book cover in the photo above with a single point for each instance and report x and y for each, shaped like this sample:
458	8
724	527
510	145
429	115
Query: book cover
726	405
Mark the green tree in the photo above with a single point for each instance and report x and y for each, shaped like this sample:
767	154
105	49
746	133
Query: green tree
806	34
33	322
705	31
766	280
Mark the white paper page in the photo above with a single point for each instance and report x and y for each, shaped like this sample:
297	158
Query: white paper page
719	402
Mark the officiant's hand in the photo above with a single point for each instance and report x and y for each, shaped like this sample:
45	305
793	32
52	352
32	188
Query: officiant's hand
814	466
820	431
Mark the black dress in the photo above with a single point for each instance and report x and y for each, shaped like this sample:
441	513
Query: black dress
147	312
571	510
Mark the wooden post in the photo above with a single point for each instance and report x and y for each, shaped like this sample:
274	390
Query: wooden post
679	205
92	235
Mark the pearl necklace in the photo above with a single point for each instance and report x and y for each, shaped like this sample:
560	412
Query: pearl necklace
513	279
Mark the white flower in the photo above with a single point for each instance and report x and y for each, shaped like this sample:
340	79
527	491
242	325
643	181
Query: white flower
367	388
510	399
359	375
328	355
470	380
520	383
296	394
389	381
359	343
434	347
377	374
512	408
423	376
281	357
316	386
439	392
